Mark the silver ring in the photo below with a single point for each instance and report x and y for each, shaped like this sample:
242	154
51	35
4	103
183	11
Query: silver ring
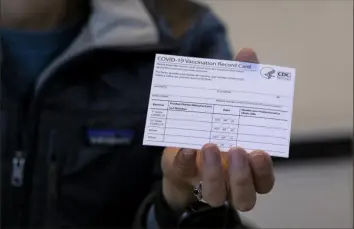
197	191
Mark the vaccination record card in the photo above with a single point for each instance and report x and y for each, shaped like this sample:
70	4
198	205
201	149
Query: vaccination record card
194	101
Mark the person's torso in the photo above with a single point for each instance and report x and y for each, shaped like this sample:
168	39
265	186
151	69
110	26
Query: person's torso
72	152
82	142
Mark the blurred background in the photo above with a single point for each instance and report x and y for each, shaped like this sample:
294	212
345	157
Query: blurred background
313	188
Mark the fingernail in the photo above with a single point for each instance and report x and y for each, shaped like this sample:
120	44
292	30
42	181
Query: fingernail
239	158
211	155
188	153
185	162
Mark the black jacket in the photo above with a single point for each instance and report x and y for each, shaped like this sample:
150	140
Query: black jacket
71	150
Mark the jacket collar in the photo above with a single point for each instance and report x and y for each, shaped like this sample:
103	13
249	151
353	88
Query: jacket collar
125	23
111	23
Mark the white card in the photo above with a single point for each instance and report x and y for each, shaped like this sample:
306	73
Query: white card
194	101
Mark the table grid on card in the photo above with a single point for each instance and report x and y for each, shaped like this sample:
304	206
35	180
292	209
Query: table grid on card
195	124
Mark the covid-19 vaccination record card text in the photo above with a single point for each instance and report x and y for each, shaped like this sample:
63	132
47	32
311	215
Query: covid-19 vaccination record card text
195	101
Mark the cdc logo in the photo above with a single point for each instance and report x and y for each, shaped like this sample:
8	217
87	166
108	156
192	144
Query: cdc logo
268	73
284	76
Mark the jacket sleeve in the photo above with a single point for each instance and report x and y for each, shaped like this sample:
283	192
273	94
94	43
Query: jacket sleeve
209	40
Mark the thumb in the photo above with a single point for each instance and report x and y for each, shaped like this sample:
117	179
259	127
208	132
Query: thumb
247	55
176	182
184	164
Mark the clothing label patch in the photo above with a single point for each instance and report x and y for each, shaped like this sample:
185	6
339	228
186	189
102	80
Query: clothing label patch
110	137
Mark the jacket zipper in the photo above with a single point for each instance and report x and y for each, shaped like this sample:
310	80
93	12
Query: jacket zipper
18	167
19	164
17	183
19	159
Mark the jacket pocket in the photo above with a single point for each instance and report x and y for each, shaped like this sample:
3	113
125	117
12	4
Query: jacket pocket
82	138
111	135
100	160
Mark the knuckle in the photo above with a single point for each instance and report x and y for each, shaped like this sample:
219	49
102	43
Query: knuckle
242	181
213	178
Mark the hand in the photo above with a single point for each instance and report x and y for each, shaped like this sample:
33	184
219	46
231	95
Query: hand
235	176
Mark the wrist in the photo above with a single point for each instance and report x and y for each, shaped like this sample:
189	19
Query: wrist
182	211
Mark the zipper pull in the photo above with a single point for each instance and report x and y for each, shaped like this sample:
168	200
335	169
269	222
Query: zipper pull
18	166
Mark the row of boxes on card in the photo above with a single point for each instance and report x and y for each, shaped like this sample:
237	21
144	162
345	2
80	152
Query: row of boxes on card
217	109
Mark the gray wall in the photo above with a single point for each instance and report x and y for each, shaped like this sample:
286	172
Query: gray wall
316	38
312	194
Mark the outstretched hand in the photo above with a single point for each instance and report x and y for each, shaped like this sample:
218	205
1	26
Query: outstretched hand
236	176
